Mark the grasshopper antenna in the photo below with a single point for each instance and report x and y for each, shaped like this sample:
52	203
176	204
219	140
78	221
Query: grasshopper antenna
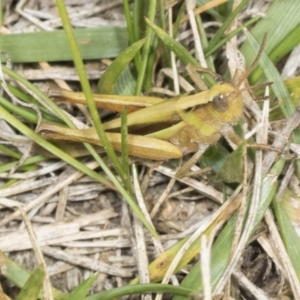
255	62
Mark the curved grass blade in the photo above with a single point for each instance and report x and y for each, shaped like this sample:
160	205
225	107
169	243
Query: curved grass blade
289	236
179	50
212	48
29	161
48	103
176	47
109	79
81	290
142	289
146	49
33	285
126	83
124	134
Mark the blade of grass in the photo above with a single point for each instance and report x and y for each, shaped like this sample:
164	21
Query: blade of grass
18	275
33	285
212	48
9	152
173	45
272	75
289	236
25	113
81	290
142	289
232	169
179	50
124	133
131	34
204	42
45	101
94	43
226	24
162	24
111	75
29	161
126	83
146	48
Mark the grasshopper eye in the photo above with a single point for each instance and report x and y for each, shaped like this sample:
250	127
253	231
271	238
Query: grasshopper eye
220	103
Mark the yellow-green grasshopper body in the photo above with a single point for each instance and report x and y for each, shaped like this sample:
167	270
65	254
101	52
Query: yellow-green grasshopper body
187	123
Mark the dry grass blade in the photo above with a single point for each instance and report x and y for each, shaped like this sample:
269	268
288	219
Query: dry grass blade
282	255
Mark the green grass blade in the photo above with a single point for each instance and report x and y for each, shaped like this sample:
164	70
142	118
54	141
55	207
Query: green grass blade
126	83
31	160
33	285
227	23
182	53
142	289
25	113
48	103
111	75
124	133
214	157
9	152
272	75
81	290
18	275
128	17
289	236
94	43
131	32
146	49
212	48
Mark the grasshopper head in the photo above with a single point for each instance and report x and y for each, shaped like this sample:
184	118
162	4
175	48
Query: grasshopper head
227	102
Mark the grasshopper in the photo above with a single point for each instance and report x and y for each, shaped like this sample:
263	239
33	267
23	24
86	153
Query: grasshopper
189	123
163	129
171	128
